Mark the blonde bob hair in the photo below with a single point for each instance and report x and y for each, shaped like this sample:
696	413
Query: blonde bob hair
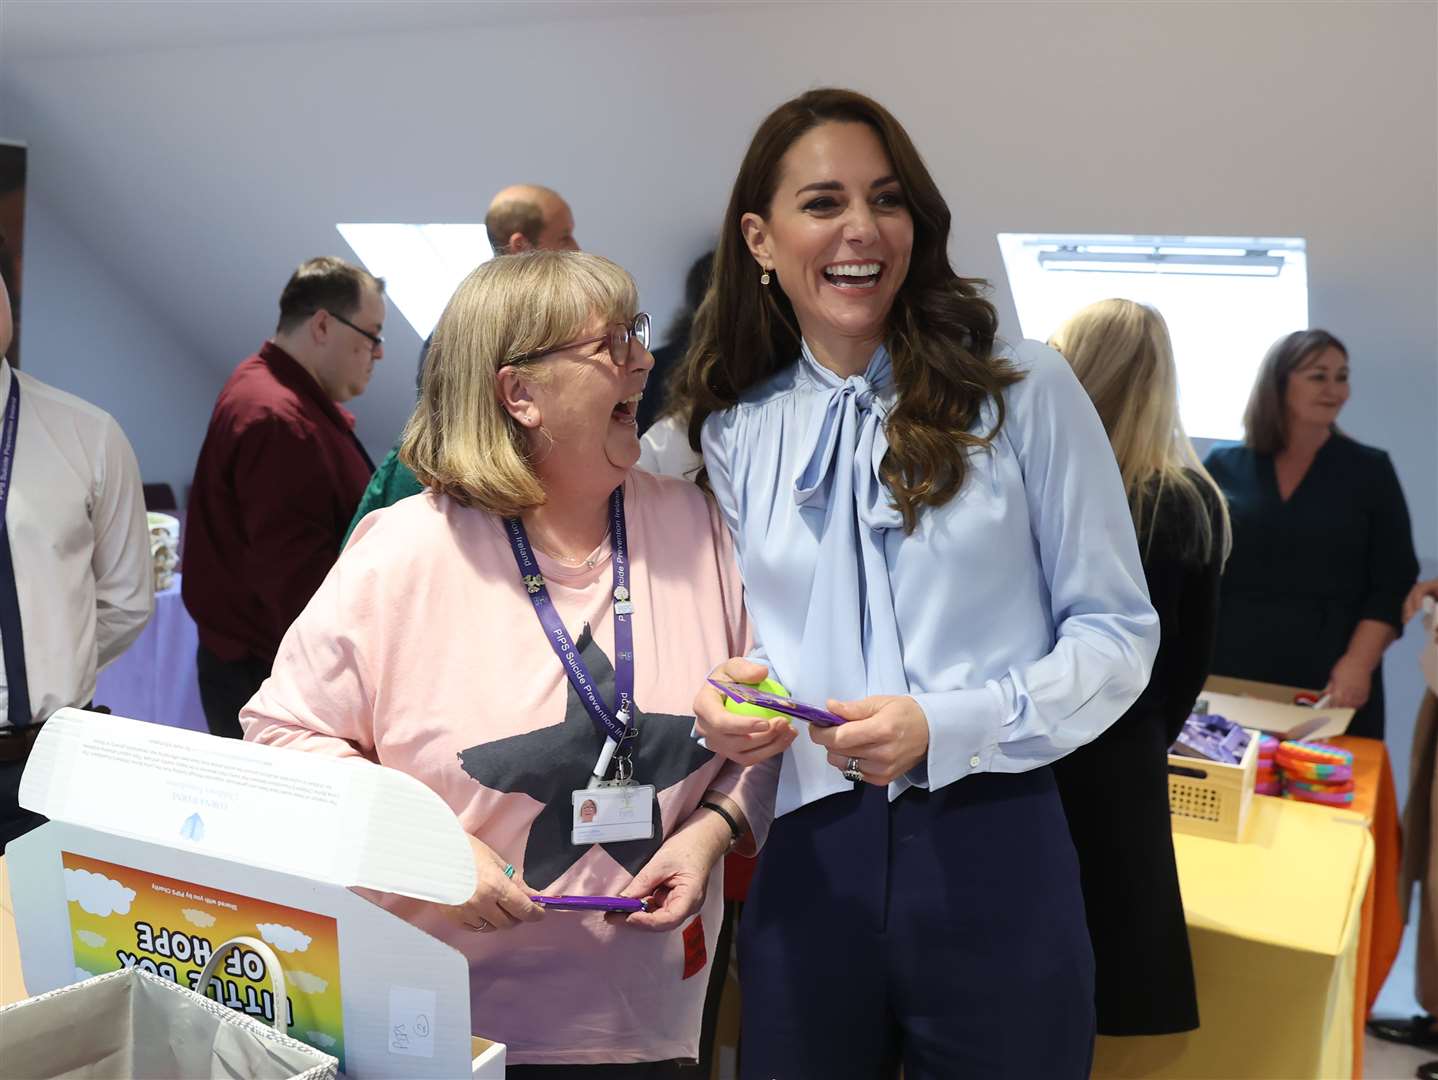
460	440
1121	353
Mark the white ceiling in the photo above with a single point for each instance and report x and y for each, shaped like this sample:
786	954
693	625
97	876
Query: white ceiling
196	152
34	29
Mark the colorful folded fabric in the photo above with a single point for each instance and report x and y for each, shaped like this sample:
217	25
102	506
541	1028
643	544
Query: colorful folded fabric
1314	760
1314	772
1327	798
1308	770
1322	787
1268	780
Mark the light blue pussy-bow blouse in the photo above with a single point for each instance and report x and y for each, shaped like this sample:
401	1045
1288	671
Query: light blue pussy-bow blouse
1016	614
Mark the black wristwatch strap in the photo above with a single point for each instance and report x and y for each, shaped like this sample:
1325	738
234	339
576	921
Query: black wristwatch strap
734	831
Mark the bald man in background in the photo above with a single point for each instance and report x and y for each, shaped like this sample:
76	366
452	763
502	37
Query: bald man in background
522	217
527	217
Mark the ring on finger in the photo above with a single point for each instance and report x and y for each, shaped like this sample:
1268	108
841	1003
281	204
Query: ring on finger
851	770
482	926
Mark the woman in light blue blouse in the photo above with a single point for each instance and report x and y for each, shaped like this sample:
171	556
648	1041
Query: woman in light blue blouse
935	542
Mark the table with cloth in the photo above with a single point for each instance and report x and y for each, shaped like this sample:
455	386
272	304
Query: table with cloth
155	679
1293	932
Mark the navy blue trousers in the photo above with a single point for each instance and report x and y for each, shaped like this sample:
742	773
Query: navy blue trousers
944	932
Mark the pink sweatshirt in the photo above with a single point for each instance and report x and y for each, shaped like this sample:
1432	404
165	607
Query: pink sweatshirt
421	651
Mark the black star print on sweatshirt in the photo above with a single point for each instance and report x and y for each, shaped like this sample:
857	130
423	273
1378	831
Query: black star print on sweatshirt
551	762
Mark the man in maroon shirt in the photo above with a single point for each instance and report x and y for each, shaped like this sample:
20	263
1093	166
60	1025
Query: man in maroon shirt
279	476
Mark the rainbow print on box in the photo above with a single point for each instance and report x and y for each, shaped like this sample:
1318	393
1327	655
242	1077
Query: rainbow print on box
121	917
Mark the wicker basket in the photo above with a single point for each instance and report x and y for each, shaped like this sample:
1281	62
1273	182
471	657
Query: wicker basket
1208	798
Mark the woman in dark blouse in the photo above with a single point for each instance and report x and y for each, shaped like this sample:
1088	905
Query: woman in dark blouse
1322	549
1115	790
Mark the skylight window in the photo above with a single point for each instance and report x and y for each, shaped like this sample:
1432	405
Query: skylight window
421	264
1226	299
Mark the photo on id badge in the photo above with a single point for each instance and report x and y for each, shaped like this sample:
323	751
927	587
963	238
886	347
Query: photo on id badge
612	812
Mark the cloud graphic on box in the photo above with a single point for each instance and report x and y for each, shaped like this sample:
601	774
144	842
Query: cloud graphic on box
319	1038
284	938
199	918
309	984
90	938
81	974
97	894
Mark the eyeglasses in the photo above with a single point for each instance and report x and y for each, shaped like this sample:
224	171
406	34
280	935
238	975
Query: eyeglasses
376	342
619	336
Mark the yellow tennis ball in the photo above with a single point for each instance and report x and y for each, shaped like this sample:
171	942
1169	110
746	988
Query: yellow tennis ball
743	708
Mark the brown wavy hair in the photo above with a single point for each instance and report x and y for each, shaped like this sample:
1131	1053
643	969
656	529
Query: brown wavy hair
1265	420
941	329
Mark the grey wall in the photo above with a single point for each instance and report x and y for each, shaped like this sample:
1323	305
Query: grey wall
99	333
198	176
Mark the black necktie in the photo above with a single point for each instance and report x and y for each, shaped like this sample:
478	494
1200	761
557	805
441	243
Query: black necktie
11	637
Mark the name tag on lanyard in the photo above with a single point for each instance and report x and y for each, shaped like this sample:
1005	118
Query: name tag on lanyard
605	810
613	810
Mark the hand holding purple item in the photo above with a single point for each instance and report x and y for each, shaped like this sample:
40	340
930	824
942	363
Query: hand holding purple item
624	904
752	695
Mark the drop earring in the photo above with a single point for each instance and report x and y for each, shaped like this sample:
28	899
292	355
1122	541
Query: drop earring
764	277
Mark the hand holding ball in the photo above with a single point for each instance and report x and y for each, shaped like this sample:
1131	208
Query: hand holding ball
741	708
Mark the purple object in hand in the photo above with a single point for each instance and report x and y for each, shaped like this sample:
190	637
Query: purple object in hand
625	904
752	695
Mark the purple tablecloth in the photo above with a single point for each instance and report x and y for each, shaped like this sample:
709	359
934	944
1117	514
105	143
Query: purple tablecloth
154	679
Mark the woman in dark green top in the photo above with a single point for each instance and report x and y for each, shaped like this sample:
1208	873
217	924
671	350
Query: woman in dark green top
1322	548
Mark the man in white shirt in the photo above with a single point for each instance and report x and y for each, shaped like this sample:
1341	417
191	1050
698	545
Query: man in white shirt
76	585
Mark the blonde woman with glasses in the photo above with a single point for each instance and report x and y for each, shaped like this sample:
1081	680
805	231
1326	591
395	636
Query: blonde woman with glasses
1115	790
525	637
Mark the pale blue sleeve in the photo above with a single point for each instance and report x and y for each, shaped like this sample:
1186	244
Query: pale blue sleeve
716	441
1105	629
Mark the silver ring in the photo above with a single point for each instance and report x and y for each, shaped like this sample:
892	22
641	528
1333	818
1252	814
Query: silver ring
483	926
851	770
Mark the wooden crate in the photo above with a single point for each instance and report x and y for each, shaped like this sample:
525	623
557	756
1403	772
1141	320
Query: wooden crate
1209	798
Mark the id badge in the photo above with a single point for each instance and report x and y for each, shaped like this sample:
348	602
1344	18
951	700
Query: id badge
612	812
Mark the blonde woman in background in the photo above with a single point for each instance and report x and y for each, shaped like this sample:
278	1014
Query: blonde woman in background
1115	790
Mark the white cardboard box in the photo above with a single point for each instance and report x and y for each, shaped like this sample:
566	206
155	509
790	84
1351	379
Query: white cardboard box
1269	707
164	842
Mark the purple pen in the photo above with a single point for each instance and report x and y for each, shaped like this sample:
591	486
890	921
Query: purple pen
752	695
624	904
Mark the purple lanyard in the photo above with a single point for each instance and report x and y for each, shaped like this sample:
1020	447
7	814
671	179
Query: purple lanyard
7	442
614	724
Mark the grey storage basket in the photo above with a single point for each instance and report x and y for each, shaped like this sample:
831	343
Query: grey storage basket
131	1024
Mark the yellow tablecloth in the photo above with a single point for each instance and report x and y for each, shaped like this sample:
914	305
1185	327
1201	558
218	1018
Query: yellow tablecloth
1274	926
